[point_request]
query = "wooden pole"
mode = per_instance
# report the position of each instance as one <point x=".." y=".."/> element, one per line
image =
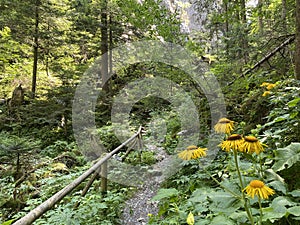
<point x="128" y="150"/>
<point x="104" y="178"/>
<point x="50" y="202"/>
<point x="88" y="185"/>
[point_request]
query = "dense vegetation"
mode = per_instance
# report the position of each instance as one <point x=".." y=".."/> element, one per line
<point x="48" y="45"/>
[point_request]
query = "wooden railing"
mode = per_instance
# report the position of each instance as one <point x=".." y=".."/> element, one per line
<point x="49" y="203"/>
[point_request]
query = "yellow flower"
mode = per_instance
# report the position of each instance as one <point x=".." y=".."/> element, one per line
<point x="192" y="152"/>
<point x="266" y="93"/>
<point x="251" y="145"/>
<point x="224" y="125"/>
<point x="258" y="188"/>
<point x="234" y="142"/>
<point x="190" y="219"/>
<point x="264" y="84"/>
<point x="270" y="86"/>
<point x="199" y="152"/>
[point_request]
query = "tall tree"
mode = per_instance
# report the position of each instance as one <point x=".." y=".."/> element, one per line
<point x="260" y="17"/>
<point x="244" y="38"/>
<point x="297" y="51"/>
<point x="104" y="45"/>
<point x="283" y="14"/>
<point x="104" y="75"/>
<point x="35" y="46"/>
<point x="226" y="21"/>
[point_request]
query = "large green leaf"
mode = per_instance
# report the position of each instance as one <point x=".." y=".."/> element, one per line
<point x="287" y="157"/>
<point x="221" y="220"/>
<point x="279" y="186"/>
<point x="202" y="222"/>
<point x="272" y="215"/>
<point x="200" y="195"/>
<point x="294" y="102"/>
<point x="7" y="222"/>
<point x="224" y="202"/>
<point x="281" y="118"/>
<point x="281" y="201"/>
<point x="294" y="210"/>
<point x="239" y="217"/>
<point x="295" y="193"/>
<point x="165" y="193"/>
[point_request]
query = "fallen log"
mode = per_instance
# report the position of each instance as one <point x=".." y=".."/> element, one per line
<point x="267" y="57"/>
<point x="272" y="53"/>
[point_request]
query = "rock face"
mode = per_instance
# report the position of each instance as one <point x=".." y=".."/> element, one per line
<point x="193" y="14"/>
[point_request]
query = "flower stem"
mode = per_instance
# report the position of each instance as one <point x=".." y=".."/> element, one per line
<point x="260" y="210"/>
<point x="261" y="167"/>
<point x="242" y="187"/>
<point x="226" y="189"/>
<point x="214" y="179"/>
<point x="238" y="169"/>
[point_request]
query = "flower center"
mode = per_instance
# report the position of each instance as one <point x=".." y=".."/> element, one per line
<point x="234" y="137"/>
<point x="251" y="139"/>
<point x="257" y="184"/>
<point x="224" y="120"/>
<point x="192" y="147"/>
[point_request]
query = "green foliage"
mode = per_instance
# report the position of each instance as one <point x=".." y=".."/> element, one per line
<point x="165" y="193"/>
<point x="17" y="151"/>
<point x="108" y="138"/>
<point x="58" y="147"/>
<point x="221" y="202"/>
<point x="141" y="157"/>
<point x="286" y="157"/>
<point x="7" y="222"/>
<point x="94" y="208"/>
<point x="148" y="19"/>
<point x="39" y="136"/>
<point x="283" y="120"/>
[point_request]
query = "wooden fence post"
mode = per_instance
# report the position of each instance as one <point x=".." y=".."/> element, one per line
<point x="104" y="175"/>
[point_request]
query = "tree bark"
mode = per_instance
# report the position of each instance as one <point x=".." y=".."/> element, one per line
<point x="260" y="17"/>
<point x="104" y="175"/>
<point x="297" y="41"/>
<point x="104" y="46"/>
<point x="225" y="5"/>
<point x="35" y="49"/>
<point x="244" y="40"/>
<point x="283" y="14"/>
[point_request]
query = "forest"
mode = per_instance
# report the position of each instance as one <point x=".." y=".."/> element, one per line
<point x="154" y="112"/>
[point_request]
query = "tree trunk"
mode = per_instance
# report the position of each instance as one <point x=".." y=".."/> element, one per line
<point x="35" y="49"/>
<point x="104" y="46"/>
<point x="110" y="45"/>
<point x="283" y="15"/>
<point x="260" y="18"/>
<point x="244" y="39"/>
<point x="297" y="41"/>
<point x="104" y="72"/>
<point x="225" y="5"/>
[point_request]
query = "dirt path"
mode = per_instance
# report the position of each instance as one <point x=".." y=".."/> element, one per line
<point x="138" y="207"/>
